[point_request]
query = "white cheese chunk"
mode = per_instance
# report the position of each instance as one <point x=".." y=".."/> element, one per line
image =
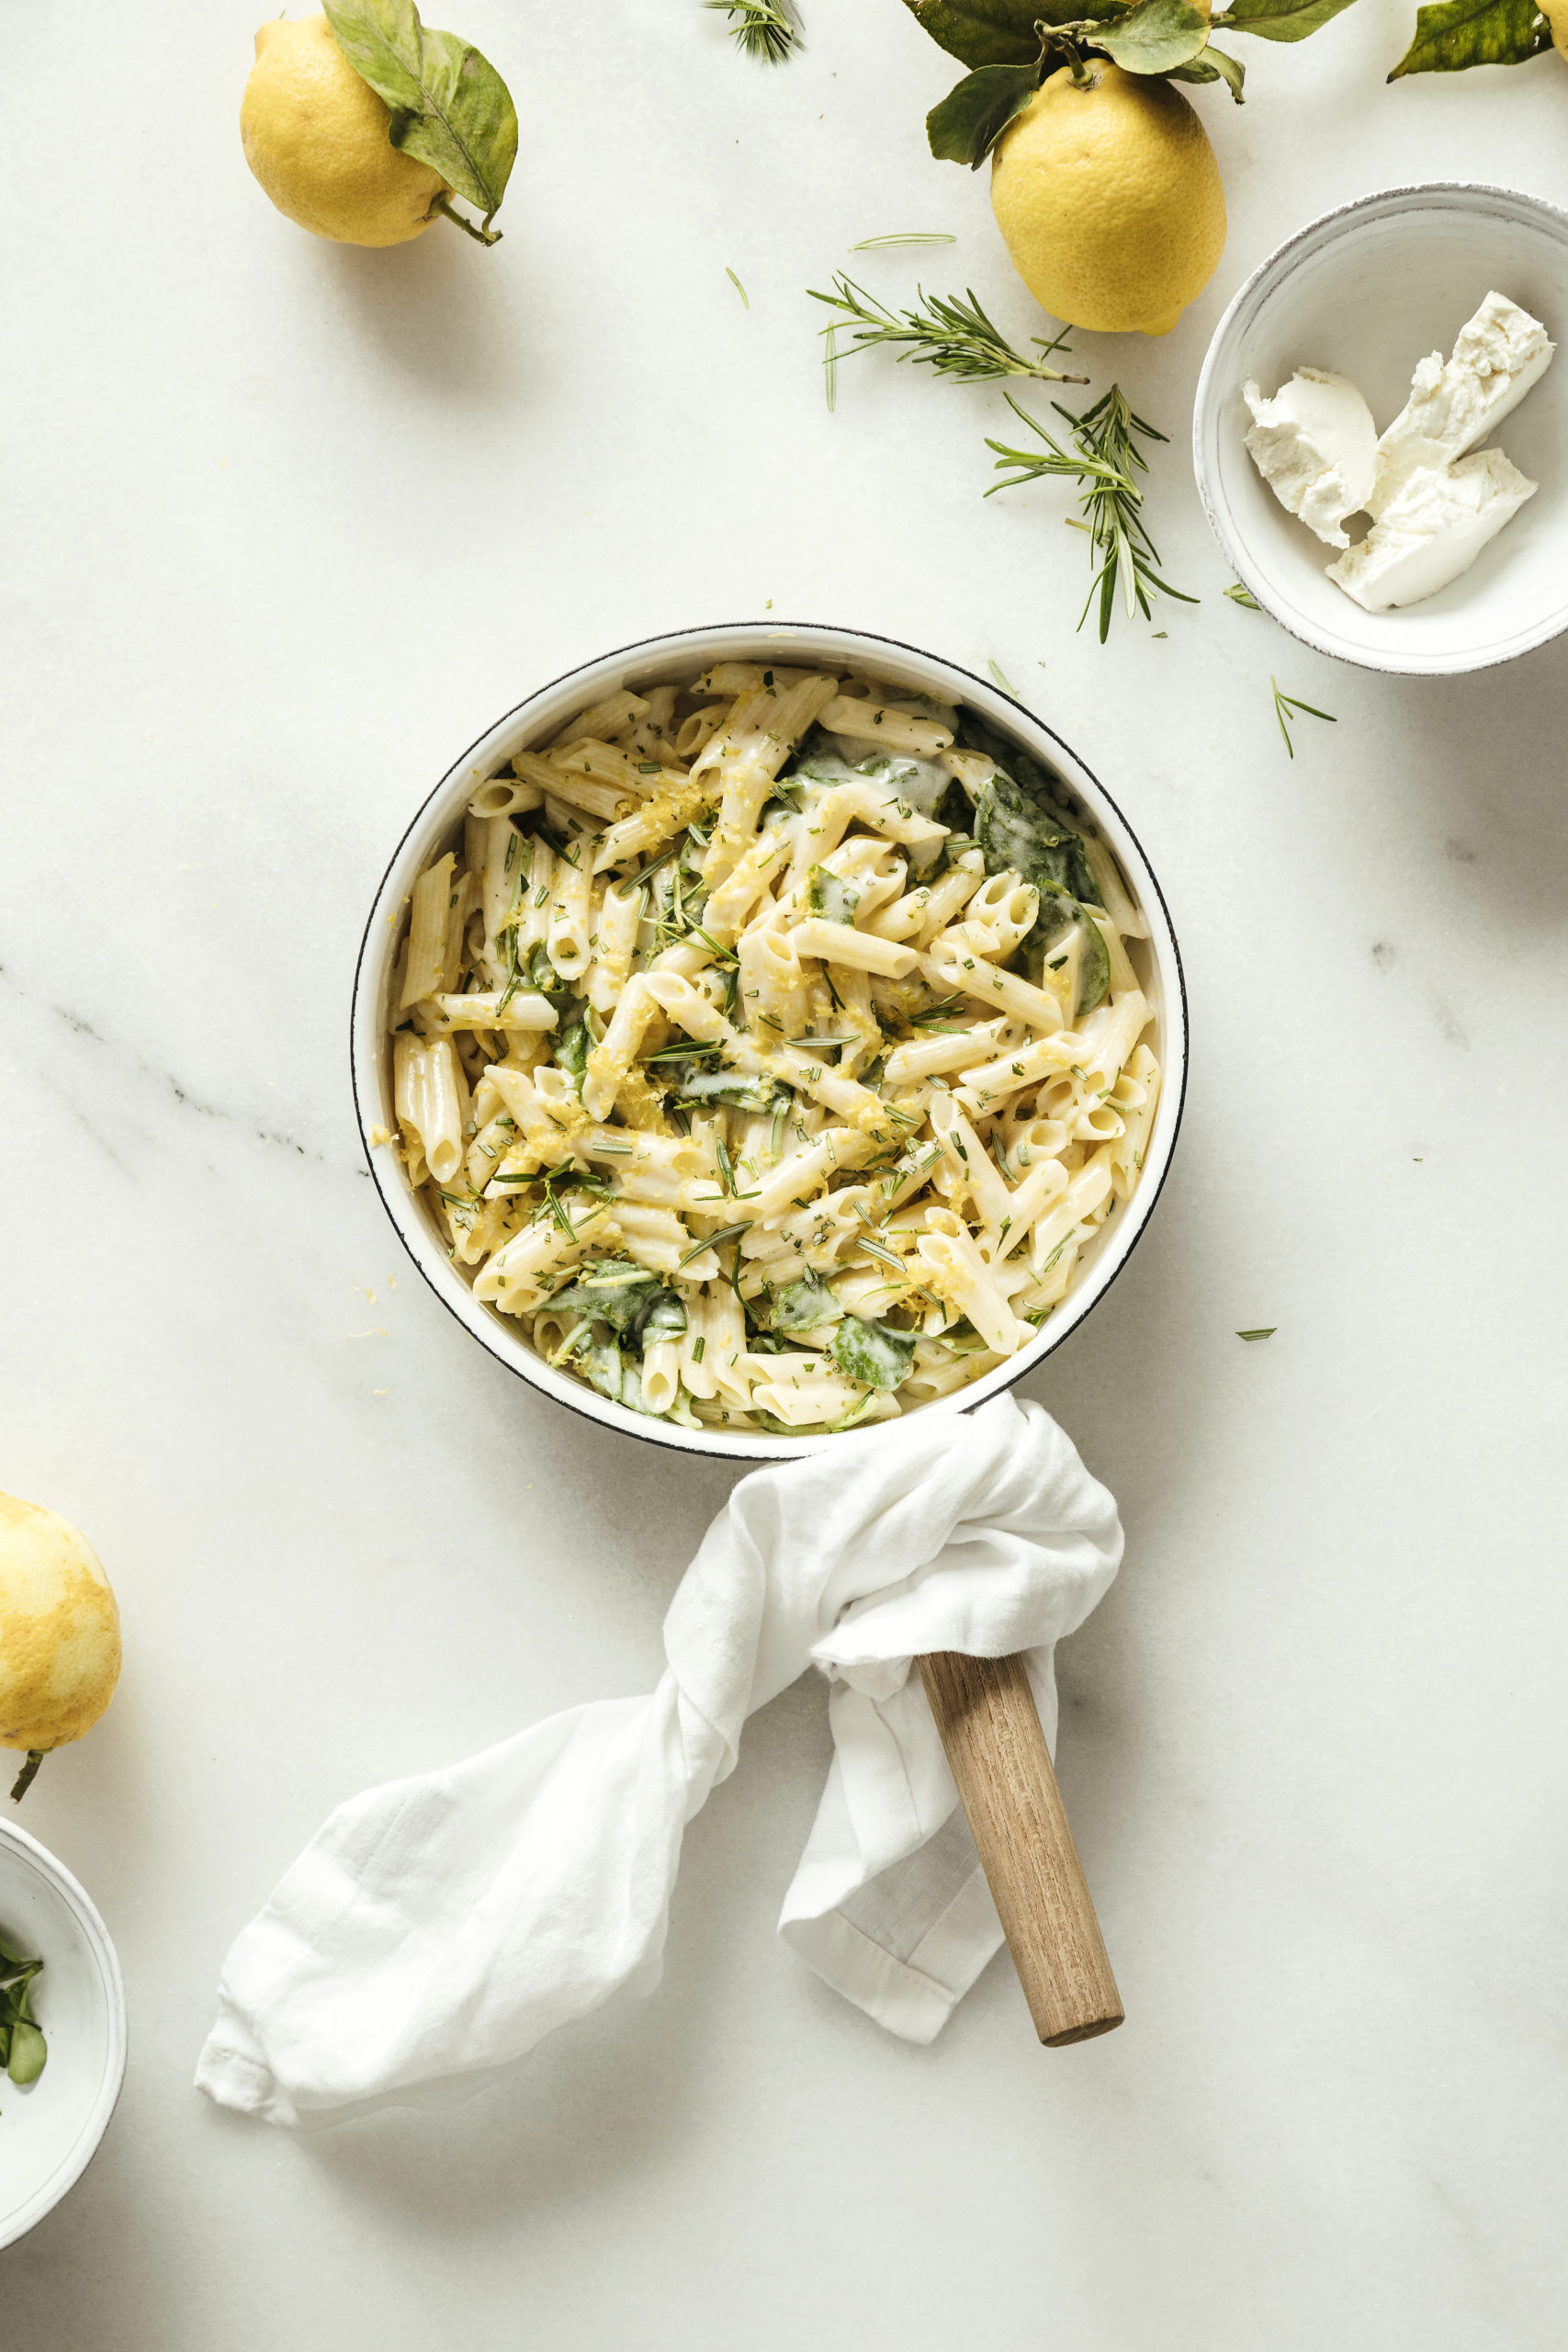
<point x="1499" y="354"/>
<point x="1315" y="446"/>
<point x="1432" y="529"/>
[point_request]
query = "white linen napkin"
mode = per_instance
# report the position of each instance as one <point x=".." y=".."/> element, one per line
<point x="435" y="1929"/>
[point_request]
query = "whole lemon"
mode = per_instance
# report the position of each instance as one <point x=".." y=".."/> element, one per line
<point x="59" y="1633"/>
<point x="1109" y="200"/>
<point x="315" y="136"/>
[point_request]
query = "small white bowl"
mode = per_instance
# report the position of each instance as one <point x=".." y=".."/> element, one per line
<point x="679" y="656"/>
<point x="50" y="2134"/>
<point x="1368" y="291"/>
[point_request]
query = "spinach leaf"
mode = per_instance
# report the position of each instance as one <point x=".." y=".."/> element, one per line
<point x="572" y="1044"/>
<point x="665" y="1319"/>
<point x="542" y="974"/>
<point x="920" y="784"/>
<point x="873" y="1354"/>
<point x="819" y="764"/>
<point x="1058" y="912"/>
<point x="834" y="900"/>
<point x="804" y="1305"/>
<point x="611" y="1289"/>
<point x="632" y="1303"/>
<point x="1017" y="831"/>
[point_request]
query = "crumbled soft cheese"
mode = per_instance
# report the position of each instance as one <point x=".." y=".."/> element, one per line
<point x="1432" y="529"/>
<point x="1497" y="355"/>
<point x="1315" y="446"/>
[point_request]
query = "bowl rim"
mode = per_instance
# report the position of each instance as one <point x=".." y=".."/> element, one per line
<point x="90" y="2134"/>
<point x="1326" y="228"/>
<point x="753" y="1448"/>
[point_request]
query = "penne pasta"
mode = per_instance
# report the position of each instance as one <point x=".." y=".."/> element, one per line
<point x="744" y="1083"/>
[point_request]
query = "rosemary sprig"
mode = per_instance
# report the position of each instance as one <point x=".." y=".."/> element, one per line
<point x="1285" y="705"/>
<point x="955" y="338"/>
<point x="767" y="29"/>
<point x="1102" y="460"/>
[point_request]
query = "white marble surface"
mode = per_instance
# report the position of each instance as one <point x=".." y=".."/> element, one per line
<point x="289" y="526"/>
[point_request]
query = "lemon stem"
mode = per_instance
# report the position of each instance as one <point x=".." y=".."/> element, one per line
<point x="482" y="236"/>
<point x="27" y="1774"/>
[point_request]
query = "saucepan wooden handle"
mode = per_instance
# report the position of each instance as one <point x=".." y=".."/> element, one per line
<point x="990" y="1727"/>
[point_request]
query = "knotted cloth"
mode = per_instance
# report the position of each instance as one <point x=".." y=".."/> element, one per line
<point x="435" y="1929"/>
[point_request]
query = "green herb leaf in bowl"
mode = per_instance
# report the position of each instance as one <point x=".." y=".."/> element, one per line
<point x="874" y="1353"/>
<point x="23" y="2051"/>
<point x="805" y="1305"/>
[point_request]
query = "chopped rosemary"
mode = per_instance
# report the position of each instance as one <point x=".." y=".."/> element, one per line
<point x="1103" y="458"/>
<point x="957" y="339"/>
<point x="1242" y="596"/>
<point x="738" y="287"/>
<point x="1264" y="1332"/>
<point x="686" y="1050"/>
<point x="767" y="29"/>
<point x="1284" y="703"/>
<point x="999" y="675"/>
<point x="724" y="1233"/>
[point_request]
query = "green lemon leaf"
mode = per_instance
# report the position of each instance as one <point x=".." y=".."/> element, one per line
<point x="994" y="32"/>
<point x="967" y="124"/>
<point x="450" y="107"/>
<point x="1214" y="65"/>
<point x="1460" y="33"/>
<point x="1278" y="19"/>
<point x="1154" y="37"/>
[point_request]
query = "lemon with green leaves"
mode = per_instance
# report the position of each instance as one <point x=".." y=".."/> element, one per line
<point x="59" y="1634"/>
<point x="1109" y="199"/>
<point x="362" y="124"/>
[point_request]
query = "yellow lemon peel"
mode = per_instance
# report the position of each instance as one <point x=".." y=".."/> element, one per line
<point x="315" y="135"/>
<point x="60" y="1650"/>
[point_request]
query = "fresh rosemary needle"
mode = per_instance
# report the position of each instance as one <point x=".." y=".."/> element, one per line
<point x="905" y="237"/>
<point x="1102" y="460"/>
<point x="943" y="331"/>
<point x="1287" y="706"/>
<point x="768" y="29"/>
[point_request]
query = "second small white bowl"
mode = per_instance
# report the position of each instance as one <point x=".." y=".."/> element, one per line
<point x="1368" y="291"/>
<point x="48" y="2134"/>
